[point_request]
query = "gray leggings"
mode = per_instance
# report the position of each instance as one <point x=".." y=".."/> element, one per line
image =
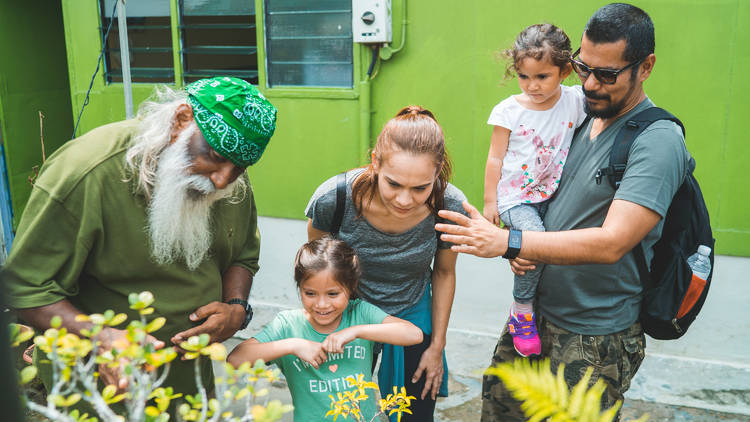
<point x="526" y="217"/>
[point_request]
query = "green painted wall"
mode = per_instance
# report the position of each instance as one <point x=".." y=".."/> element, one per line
<point x="449" y="65"/>
<point x="33" y="78"/>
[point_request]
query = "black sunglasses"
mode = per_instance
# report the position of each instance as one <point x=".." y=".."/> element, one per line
<point x="605" y="76"/>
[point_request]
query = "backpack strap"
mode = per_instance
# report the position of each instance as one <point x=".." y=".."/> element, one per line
<point x="618" y="157"/>
<point x="618" y="161"/>
<point x="338" y="215"/>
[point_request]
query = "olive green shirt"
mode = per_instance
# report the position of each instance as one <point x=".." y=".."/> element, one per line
<point x="83" y="237"/>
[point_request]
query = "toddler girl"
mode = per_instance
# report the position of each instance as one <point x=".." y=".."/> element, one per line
<point x="331" y="338"/>
<point x="530" y="141"/>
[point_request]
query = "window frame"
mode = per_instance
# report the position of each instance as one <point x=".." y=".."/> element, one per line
<point x="358" y="53"/>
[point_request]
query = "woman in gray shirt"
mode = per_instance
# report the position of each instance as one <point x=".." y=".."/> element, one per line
<point x="389" y="219"/>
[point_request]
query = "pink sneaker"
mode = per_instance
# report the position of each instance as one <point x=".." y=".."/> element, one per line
<point x="522" y="327"/>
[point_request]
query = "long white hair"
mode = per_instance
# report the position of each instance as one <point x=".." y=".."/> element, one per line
<point x="156" y="120"/>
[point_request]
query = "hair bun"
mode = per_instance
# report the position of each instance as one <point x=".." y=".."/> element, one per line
<point x="411" y="109"/>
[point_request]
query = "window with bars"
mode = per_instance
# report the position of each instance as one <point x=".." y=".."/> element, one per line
<point x="149" y="41"/>
<point x="218" y="39"/>
<point x="309" y="43"/>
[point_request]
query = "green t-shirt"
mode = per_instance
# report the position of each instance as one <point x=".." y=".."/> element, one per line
<point x="311" y="387"/>
<point x="600" y="299"/>
<point x="83" y="238"/>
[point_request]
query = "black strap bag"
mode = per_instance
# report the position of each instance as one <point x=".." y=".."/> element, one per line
<point x="672" y="297"/>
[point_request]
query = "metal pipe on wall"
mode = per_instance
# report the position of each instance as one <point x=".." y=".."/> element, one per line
<point x="122" y="25"/>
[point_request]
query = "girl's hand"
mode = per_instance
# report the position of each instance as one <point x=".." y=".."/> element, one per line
<point x="335" y="342"/>
<point x="431" y="364"/>
<point x="490" y="213"/>
<point x="311" y="352"/>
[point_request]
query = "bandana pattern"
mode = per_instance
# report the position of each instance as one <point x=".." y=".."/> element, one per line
<point x="234" y="117"/>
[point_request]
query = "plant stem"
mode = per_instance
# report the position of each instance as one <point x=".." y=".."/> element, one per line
<point x="51" y="414"/>
<point x="201" y="389"/>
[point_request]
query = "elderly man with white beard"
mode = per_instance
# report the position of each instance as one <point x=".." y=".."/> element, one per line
<point x="159" y="203"/>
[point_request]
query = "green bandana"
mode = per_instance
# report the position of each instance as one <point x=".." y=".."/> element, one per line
<point x="234" y="117"/>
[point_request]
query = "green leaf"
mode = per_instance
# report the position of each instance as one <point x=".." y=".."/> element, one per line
<point x="203" y="339"/>
<point x="55" y="322"/>
<point x="72" y="399"/>
<point x="109" y="391"/>
<point x="155" y="324"/>
<point x="152" y="411"/>
<point x="117" y="320"/>
<point x="146" y="297"/>
<point x="27" y="374"/>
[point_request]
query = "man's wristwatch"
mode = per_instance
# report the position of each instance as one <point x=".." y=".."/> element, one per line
<point x="514" y="244"/>
<point x="248" y="310"/>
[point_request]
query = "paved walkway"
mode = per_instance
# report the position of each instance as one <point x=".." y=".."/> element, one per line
<point x="704" y="376"/>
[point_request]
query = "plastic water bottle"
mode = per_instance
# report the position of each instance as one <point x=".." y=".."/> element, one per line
<point x="700" y="262"/>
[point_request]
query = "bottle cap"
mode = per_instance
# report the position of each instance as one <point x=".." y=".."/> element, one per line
<point x="704" y="250"/>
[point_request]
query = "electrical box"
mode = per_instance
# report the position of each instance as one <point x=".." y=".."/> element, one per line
<point x="371" y="21"/>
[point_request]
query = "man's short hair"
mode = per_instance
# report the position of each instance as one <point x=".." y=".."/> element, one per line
<point x="617" y="21"/>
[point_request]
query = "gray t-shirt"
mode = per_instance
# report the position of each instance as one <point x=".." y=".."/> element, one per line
<point x="396" y="268"/>
<point x="600" y="299"/>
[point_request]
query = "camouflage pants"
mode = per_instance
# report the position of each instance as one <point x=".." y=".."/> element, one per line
<point x="614" y="357"/>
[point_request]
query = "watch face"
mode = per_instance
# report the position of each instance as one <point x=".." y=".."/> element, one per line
<point x="515" y="239"/>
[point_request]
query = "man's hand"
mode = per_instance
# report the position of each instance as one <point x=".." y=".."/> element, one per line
<point x="221" y="322"/>
<point x="475" y="235"/>
<point x="110" y="338"/>
<point x="311" y="352"/>
<point x="335" y="342"/>
<point x="490" y="213"/>
<point x="431" y="365"/>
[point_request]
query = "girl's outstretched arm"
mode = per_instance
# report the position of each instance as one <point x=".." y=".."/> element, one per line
<point x="392" y="331"/>
<point x="493" y="171"/>
<point x="252" y="350"/>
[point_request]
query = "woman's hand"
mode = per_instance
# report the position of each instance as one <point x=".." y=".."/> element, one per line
<point x="431" y="365"/>
<point x="311" y="352"/>
<point x="335" y="342"/>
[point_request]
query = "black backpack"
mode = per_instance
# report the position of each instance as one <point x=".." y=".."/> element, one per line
<point x="671" y="298"/>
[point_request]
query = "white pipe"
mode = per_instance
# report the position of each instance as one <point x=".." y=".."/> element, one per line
<point x="122" y="25"/>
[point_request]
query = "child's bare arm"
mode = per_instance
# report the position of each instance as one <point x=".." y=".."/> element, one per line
<point x="493" y="171"/>
<point x="252" y="350"/>
<point x="392" y="331"/>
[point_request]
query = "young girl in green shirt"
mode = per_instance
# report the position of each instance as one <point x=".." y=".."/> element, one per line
<point x="330" y="339"/>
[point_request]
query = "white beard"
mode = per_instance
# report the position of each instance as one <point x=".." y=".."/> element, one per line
<point x="179" y="214"/>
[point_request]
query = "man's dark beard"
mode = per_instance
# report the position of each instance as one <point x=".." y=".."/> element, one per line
<point x="613" y="109"/>
<point x="610" y="111"/>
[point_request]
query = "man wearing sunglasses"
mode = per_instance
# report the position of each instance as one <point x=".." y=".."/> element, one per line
<point x="589" y="293"/>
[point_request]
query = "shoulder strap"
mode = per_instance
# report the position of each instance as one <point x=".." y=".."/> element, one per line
<point x="618" y="157"/>
<point x="338" y="215"/>
<point x="618" y="160"/>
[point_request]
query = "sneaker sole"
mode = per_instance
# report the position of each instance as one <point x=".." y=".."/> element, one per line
<point x="530" y="354"/>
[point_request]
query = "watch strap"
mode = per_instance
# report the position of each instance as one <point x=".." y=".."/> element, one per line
<point x="237" y="301"/>
<point x="248" y="310"/>
<point x="514" y="244"/>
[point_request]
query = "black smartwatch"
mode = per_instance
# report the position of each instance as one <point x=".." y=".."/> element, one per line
<point x="514" y="244"/>
<point x="248" y="310"/>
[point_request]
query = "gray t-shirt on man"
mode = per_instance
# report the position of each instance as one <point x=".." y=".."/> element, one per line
<point x="396" y="268"/>
<point x="599" y="299"/>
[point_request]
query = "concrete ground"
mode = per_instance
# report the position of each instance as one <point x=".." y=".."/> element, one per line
<point x="704" y="376"/>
